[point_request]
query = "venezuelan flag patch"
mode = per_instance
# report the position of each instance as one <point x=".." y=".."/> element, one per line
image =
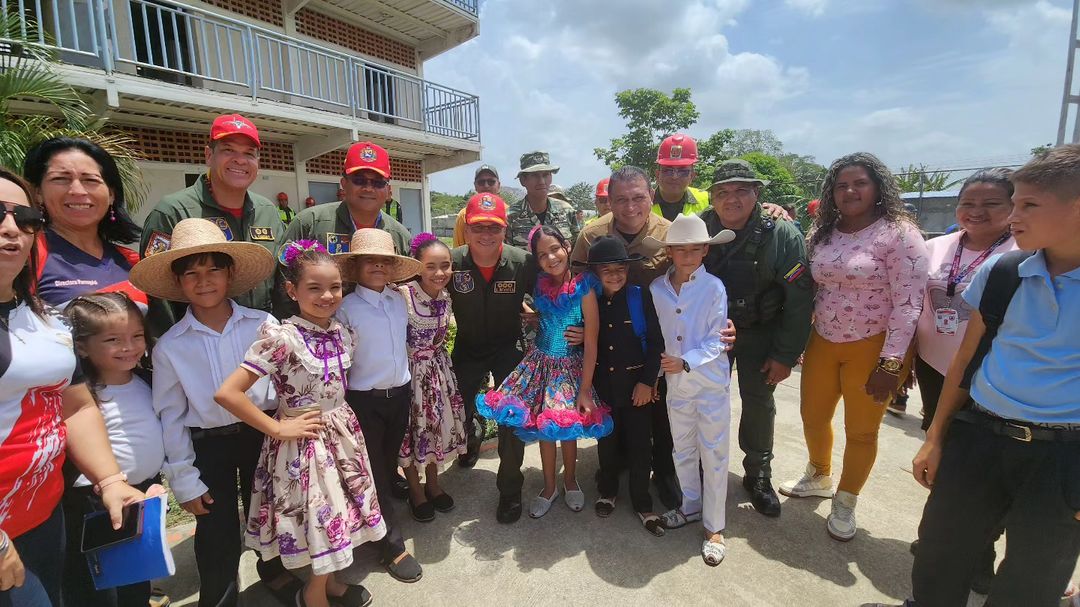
<point x="795" y="272"/>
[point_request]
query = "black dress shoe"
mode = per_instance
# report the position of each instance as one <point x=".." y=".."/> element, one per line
<point x="509" y="510"/>
<point x="762" y="495"/>
<point x="469" y="459"/>
<point x="400" y="487"/>
<point x="668" y="490"/>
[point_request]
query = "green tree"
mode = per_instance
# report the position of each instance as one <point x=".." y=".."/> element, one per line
<point x="447" y="204"/>
<point x="917" y="178"/>
<point x="1039" y="150"/>
<point x="650" y="116"/>
<point x="747" y="141"/>
<point x="580" y="195"/>
<point x="782" y="189"/>
<point x="27" y="73"/>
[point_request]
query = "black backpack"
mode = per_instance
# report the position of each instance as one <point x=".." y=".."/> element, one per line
<point x="1001" y="285"/>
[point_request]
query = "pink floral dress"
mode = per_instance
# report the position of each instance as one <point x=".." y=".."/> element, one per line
<point x="437" y="420"/>
<point x="312" y="500"/>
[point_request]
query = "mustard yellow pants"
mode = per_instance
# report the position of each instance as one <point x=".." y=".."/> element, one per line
<point x="831" y="371"/>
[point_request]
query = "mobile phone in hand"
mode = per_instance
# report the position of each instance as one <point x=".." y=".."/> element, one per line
<point x="98" y="533"/>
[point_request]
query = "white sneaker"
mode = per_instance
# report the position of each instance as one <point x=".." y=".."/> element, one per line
<point x="841" y="521"/>
<point x="541" y="504"/>
<point x="811" y="484"/>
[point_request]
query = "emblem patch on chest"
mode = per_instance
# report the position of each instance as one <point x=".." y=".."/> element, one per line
<point x="223" y="225"/>
<point x="158" y="242"/>
<point x="505" y="287"/>
<point x="463" y="282"/>
<point x="337" y="243"/>
<point x="262" y="234"/>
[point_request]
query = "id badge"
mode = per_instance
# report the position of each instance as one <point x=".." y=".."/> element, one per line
<point x="946" y="321"/>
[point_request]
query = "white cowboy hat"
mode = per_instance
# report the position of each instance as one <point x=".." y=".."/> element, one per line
<point x="689" y="229"/>
<point x="375" y="242"/>
<point x="252" y="263"/>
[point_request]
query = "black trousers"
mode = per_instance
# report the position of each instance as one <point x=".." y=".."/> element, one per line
<point x="930" y="385"/>
<point x="384" y="422"/>
<point x="985" y="480"/>
<point x="41" y="550"/>
<point x="629" y="442"/>
<point x="223" y="461"/>
<point x="78" y="585"/>
<point x="663" y="462"/>
<point x="757" y="420"/>
<point x="471" y="371"/>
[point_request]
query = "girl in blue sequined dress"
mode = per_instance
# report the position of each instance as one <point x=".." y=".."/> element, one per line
<point x="550" y="396"/>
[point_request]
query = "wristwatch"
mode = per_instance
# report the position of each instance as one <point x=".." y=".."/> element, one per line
<point x="685" y="366"/>
<point x="890" y="364"/>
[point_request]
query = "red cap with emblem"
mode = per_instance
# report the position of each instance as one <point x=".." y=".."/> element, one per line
<point x="367" y="155"/>
<point x="485" y="207"/>
<point x="601" y="188"/>
<point x="234" y="124"/>
<point x="677" y="151"/>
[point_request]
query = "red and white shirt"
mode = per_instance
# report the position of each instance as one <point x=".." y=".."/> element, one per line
<point x="37" y="362"/>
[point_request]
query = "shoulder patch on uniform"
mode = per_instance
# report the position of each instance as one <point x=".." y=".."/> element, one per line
<point x="223" y="225"/>
<point x="337" y="243"/>
<point x="503" y="287"/>
<point x="463" y="282"/>
<point x="261" y="233"/>
<point x="795" y="272"/>
<point x="158" y="242"/>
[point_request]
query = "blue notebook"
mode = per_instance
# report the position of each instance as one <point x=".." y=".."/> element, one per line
<point x="139" y="559"/>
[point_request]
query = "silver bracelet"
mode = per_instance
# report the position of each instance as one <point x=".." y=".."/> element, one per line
<point x="5" y="543"/>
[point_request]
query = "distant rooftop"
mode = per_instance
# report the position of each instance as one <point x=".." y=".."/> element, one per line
<point x="943" y="194"/>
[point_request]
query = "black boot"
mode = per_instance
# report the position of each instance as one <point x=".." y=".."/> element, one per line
<point x="762" y="495"/>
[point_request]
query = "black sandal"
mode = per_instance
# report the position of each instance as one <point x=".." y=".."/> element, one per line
<point x="652" y="524"/>
<point x="423" y="512"/>
<point x="355" y="596"/>
<point x="604" y="507"/>
<point x="442" y="502"/>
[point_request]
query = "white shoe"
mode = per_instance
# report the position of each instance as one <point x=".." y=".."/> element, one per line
<point x="541" y="504"/>
<point x="841" y="521"/>
<point x="574" y="498"/>
<point x="812" y="484"/>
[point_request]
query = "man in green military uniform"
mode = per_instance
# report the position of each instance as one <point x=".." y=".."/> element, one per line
<point x="675" y="160"/>
<point x="220" y="195"/>
<point x="365" y="184"/>
<point x="489" y="285"/>
<point x="538" y="207"/>
<point x="767" y="276"/>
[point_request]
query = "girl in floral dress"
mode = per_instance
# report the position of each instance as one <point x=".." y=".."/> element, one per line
<point x="313" y="499"/>
<point x="437" y="420"/>
<point x="550" y="396"/>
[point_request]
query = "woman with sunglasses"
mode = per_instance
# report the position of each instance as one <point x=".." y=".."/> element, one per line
<point x="86" y="225"/>
<point x="46" y="411"/>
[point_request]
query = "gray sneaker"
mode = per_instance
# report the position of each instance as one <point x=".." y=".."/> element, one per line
<point x="841" y="521"/>
<point x="811" y="484"/>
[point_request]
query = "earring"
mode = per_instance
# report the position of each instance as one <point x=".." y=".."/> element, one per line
<point x="880" y="202"/>
<point x="112" y="212"/>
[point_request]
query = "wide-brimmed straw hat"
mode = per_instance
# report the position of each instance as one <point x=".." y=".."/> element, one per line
<point x="374" y="242"/>
<point x="689" y="229"/>
<point x="252" y="263"/>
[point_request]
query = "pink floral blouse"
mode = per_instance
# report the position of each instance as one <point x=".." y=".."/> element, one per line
<point x="868" y="282"/>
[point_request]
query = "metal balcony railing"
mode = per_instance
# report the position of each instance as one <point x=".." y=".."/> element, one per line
<point x="469" y="6"/>
<point x="185" y="45"/>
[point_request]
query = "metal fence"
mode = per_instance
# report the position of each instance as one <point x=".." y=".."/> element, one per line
<point x="469" y="6"/>
<point x="186" y="45"/>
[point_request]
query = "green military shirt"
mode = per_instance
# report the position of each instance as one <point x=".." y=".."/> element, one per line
<point x="520" y="220"/>
<point x="332" y="225"/>
<point x="694" y="201"/>
<point x="767" y="277"/>
<point x="259" y="223"/>
<point x="489" y="313"/>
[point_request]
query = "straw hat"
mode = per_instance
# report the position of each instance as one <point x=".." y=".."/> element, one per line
<point x="252" y="263"/>
<point x="689" y="229"/>
<point x="375" y="242"/>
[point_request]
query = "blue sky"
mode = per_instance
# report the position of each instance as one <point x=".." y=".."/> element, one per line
<point x="946" y="83"/>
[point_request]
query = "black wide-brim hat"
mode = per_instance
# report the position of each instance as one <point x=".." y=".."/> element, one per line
<point x="609" y="249"/>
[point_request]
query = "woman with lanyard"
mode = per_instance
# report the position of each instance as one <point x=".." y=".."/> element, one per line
<point x="45" y="410"/>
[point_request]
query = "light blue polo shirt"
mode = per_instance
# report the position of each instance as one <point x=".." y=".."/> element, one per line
<point x="1032" y="372"/>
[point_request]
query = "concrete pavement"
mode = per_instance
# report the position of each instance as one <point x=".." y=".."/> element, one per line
<point x="579" y="559"/>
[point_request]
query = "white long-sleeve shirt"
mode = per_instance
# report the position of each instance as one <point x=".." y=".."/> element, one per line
<point x="691" y="321"/>
<point x="380" y="320"/>
<point x="191" y="361"/>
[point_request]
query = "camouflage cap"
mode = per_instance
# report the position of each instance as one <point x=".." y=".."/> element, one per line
<point x="536" y="162"/>
<point x="557" y="192"/>
<point x="736" y="170"/>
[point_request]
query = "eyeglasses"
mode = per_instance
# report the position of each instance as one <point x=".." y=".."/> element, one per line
<point x="362" y="182"/>
<point x="27" y="219"/>
<point x="486" y="182"/>
<point x="486" y="228"/>
<point x="670" y="172"/>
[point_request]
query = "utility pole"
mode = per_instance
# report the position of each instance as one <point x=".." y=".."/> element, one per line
<point x="1069" y="99"/>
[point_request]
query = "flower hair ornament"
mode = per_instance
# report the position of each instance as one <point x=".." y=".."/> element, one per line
<point x="296" y="248"/>
<point x="420" y="240"/>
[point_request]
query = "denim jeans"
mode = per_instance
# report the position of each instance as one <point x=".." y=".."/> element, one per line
<point x="42" y="553"/>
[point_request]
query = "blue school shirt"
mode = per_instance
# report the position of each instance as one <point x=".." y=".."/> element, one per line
<point x="69" y="271"/>
<point x="1032" y="372"/>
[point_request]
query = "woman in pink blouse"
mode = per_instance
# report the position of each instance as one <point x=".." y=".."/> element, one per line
<point x="869" y="263"/>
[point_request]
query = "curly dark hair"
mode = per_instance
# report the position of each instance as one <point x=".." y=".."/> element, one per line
<point x="890" y="204"/>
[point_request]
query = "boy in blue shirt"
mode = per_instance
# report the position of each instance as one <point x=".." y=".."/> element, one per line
<point x="1012" y="457"/>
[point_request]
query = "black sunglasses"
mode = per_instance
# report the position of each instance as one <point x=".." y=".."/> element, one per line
<point x="28" y="219"/>
<point x="487" y="182"/>
<point x="362" y="182"/>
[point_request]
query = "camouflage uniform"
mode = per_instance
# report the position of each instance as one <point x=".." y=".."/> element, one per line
<point x="521" y="220"/>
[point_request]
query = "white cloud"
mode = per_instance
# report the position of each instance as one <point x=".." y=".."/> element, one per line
<point x="815" y="8"/>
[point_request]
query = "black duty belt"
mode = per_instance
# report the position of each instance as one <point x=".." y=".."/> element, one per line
<point x="201" y="433"/>
<point x="388" y="393"/>
<point x="1024" y="432"/>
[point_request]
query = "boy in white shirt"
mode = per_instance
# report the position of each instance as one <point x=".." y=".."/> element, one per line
<point x="692" y="307"/>
<point x="206" y="448"/>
